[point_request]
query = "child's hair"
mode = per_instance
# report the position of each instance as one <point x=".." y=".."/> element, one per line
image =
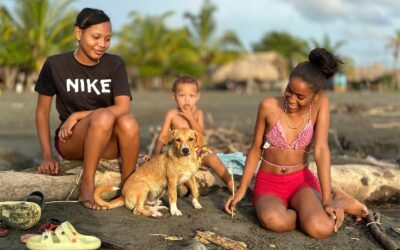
<point x="321" y="65"/>
<point x="184" y="80"/>
<point x="88" y="17"/>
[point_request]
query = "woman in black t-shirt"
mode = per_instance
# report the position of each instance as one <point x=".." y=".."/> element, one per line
<point x="93" y="101"/>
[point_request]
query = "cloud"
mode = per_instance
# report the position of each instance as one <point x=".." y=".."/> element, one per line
<point x="358" y="11"/>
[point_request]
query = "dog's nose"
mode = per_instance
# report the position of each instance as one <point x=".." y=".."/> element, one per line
<point x="185" y="151"/>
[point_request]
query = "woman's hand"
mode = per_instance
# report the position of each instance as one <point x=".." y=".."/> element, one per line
<point x="49" y="166"/>
<point x="336" y="213"/>
<point x="230" y="205"/>
<point x="65" y="131"/>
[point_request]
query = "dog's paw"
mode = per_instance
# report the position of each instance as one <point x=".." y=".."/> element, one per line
<point x="156" y="214"/>
<point x="196" y="204"/>
<point x="176" y="212"/>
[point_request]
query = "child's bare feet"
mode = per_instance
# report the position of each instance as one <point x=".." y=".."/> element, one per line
<point x="350" y="205"/>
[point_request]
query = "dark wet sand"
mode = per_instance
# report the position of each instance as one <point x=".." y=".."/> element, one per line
<point x="120" y="227"/>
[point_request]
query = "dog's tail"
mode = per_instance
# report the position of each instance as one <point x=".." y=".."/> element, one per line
<point x="117" y="202"/>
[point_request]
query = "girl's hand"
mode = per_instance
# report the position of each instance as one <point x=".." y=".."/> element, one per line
<point x="230" y="205"/>
<point x="66" y="129"/>
<point x="336" y="213"/>
<point x="49" y="166"/>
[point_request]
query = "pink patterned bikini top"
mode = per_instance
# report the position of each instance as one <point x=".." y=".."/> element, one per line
<point x="276" y="136"/>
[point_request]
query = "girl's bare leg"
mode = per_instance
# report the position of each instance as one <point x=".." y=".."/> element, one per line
<point x="274" y="215"/>
<point x="212" y="161"/>
<point x="98" y="135"/>
<point x="127" y="132"/>
<point x="313" y="219"/>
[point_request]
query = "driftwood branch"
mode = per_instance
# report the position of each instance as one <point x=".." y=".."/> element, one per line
<point x="373" y="221"/>
<point x="224" y="242"/>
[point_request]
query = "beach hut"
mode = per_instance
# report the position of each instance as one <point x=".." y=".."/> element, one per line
<point x="370" y="77"/>
<point x="256" y="71"/>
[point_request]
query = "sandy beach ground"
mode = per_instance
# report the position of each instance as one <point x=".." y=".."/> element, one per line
<point x="366" y="124"/>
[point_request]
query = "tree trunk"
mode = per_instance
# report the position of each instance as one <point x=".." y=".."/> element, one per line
<point x="30" y="80"/>
<point x="10" y="76"/>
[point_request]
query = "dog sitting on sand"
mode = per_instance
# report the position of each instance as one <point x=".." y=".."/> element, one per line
<point x="177" y="165"/>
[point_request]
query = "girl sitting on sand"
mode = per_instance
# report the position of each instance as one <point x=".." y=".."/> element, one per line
<point x="286" y="129"/>
<point x="93" y="101"/>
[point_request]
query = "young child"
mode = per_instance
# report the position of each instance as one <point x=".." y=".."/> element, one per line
<point x="186" y="115"/>
<point x="287" y="127"/>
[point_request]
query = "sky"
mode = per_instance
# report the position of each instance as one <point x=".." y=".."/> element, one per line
<point x="365" y="25"/>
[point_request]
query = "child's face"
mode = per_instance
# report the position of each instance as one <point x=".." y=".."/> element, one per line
<point x="186" y="96"/>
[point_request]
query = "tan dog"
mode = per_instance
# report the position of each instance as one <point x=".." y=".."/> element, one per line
<point x="147" y="184"/>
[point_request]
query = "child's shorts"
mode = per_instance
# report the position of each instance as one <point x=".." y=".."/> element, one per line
<point x="283" y="186"/>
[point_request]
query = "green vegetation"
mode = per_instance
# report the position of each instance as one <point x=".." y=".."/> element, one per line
<point x="154" y="53"/>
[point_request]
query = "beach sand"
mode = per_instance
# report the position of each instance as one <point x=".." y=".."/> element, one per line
<point x="119" y="227"/>
<point x="361" y="134"/>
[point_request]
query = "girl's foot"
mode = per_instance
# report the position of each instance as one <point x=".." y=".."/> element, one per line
<point x="350" y="205"/>
<point x="87" y="200"/>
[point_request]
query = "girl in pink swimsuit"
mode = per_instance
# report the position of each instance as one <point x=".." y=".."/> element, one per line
<point x="287" y="128"/>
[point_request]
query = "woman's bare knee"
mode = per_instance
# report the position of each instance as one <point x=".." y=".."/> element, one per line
<point x="276" y="221"/>
<point x="317" y="226"/>
<point x="102" y="119"/>
<point x="127" y="126"/>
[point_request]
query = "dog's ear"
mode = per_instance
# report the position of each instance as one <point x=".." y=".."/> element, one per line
<point x="199" y="138"/>
<point x="167" y="139"/>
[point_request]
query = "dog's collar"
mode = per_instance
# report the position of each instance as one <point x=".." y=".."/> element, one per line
<point x="201" y="152"/>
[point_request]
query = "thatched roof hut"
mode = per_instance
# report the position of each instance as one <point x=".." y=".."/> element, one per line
<point x="368" y="73"/>
<point x="263" y="68"/>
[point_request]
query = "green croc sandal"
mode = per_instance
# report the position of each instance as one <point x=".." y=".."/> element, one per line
<point x="64" y="237"/>
<point x="19" y="214"/>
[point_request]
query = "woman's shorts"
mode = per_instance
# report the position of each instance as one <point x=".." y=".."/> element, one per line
<point x="283" y="186"/>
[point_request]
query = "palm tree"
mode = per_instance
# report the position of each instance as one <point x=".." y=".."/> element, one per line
<point x="292" y="48"/>
<point x="202" y="27"/>
<point x="42" y="26"/>
<point x="328" y="44"/>
<point x="148" y="44"/>
<point x="394" y="44"/>
<point x="14" y="53"/>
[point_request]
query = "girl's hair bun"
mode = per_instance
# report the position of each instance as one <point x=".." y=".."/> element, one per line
<point x="325" y="61"/>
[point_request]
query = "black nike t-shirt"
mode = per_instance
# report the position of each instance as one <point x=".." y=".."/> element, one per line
<point x="79" y="87"/>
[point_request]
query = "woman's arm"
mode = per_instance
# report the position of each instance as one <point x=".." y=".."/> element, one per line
<point x="321" y="150"/>
<point x="252" y="159"/>
<point x="48" y="165"/>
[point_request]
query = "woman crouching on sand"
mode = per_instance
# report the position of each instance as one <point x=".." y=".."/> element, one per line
<point x="286" y="129"/>
<point x="93" y="101"/>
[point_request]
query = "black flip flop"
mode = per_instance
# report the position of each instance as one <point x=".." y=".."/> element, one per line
<point x="36" y="197"/>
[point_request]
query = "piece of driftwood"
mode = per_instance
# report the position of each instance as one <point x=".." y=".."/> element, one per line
<point x="366" y="183"/>
<point x="17" y="185"/>
<point x="372" y="221"/>
<point x="224" y="242"/>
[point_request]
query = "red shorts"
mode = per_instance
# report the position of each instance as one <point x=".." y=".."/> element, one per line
<point x="283" y="186"/>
